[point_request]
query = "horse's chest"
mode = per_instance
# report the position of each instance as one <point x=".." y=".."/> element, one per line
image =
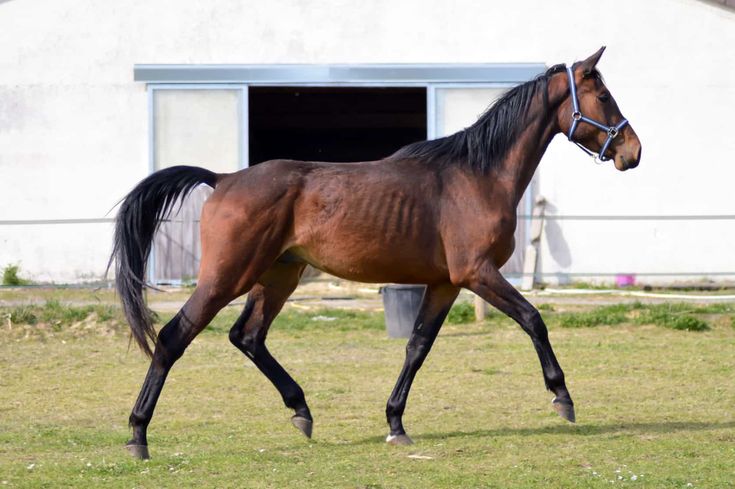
<point x="481" y="238"/>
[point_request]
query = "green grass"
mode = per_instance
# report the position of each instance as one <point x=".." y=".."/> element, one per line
<point x="11" y="276"/>
<point x="603" y="315"/>
<point x="59" y="315"/>
<point x="673" y="315"/>
<point x="461" y="313"/>
<point x="294" y="320"/>
<point x="651" y="402"/>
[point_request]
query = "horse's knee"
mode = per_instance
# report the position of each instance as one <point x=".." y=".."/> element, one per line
<point x="417" y="347"/>
<point x="534" y="325"/>
<point x="531" y="317"/>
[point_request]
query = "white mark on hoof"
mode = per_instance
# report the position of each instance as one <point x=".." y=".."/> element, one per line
<point x="398" y="440"/>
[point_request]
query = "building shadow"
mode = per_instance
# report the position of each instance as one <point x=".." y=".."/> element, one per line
<point x="556" y="243"/>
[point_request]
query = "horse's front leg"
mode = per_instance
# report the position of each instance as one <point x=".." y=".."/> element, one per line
<point x="488" y="283"/>
<point x="437" y="301"/>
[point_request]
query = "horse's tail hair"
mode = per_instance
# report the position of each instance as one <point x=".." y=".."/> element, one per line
<point x="139" y="216"/>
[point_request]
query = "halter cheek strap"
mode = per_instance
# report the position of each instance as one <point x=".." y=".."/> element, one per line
<point x="612" y="131"/>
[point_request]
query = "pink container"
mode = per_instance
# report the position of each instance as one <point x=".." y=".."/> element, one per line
<point x="624" y="280"/>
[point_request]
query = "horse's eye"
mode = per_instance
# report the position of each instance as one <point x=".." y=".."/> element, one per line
<point x="604" y="98"/>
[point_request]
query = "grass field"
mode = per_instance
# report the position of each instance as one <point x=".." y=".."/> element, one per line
<point x="655" y="404"/>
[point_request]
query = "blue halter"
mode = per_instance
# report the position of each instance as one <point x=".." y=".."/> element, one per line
<point x="612" y="131"/>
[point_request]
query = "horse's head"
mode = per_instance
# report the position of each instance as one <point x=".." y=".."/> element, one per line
<point x="591" y="118"/>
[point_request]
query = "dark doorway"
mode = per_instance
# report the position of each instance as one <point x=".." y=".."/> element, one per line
<point x="334" y="123"/>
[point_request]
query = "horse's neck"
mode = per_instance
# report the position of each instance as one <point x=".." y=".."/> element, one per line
<point x="516" y="170"/>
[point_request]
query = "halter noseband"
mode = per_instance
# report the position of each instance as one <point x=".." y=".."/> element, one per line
<point x="612" y="131"/>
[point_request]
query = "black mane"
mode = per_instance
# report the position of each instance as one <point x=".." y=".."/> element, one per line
<point x="483" y="145"/>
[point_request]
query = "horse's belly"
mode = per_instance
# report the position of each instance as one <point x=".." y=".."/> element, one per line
<point x="374" y="261"/>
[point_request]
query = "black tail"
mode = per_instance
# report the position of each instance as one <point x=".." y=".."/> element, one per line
<point x="140" y="214"/>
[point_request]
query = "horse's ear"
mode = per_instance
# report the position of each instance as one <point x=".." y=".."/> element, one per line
<point x="589" y="64"/>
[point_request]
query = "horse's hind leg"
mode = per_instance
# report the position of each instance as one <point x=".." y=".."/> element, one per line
<point x="173" y="339"/>
<point x="491" y="286"/>
<point x="434" y="308"/>
<point x="250" y="330"/>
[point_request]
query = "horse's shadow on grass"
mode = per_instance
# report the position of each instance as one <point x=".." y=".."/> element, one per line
<point x="574" y="430"/>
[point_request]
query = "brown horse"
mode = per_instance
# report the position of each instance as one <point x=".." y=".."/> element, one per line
<point x="440" y="213"/>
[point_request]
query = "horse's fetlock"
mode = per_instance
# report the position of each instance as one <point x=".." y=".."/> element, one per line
<point x="556" y="383"/>
<point x="137" y="420"/>
<point x="394" y="410"/>
<point x="293" y="398"/>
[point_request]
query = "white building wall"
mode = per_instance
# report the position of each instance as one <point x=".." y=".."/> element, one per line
<point x="73" y="124"/>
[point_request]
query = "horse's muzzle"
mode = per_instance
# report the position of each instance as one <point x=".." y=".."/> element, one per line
<point x="628" y="155"/>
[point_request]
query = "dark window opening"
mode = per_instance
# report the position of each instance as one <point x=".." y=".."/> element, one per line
<point x="334" y="123"/>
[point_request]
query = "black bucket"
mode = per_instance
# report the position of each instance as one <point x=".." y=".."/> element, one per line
<point x="401" y="304"/>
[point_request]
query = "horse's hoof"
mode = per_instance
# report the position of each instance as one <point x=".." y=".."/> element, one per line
<point x="399" y="440"/>
<point x="564" y="409"/>
<point x="304" y="425"/>
<point x="138" y="451"/>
